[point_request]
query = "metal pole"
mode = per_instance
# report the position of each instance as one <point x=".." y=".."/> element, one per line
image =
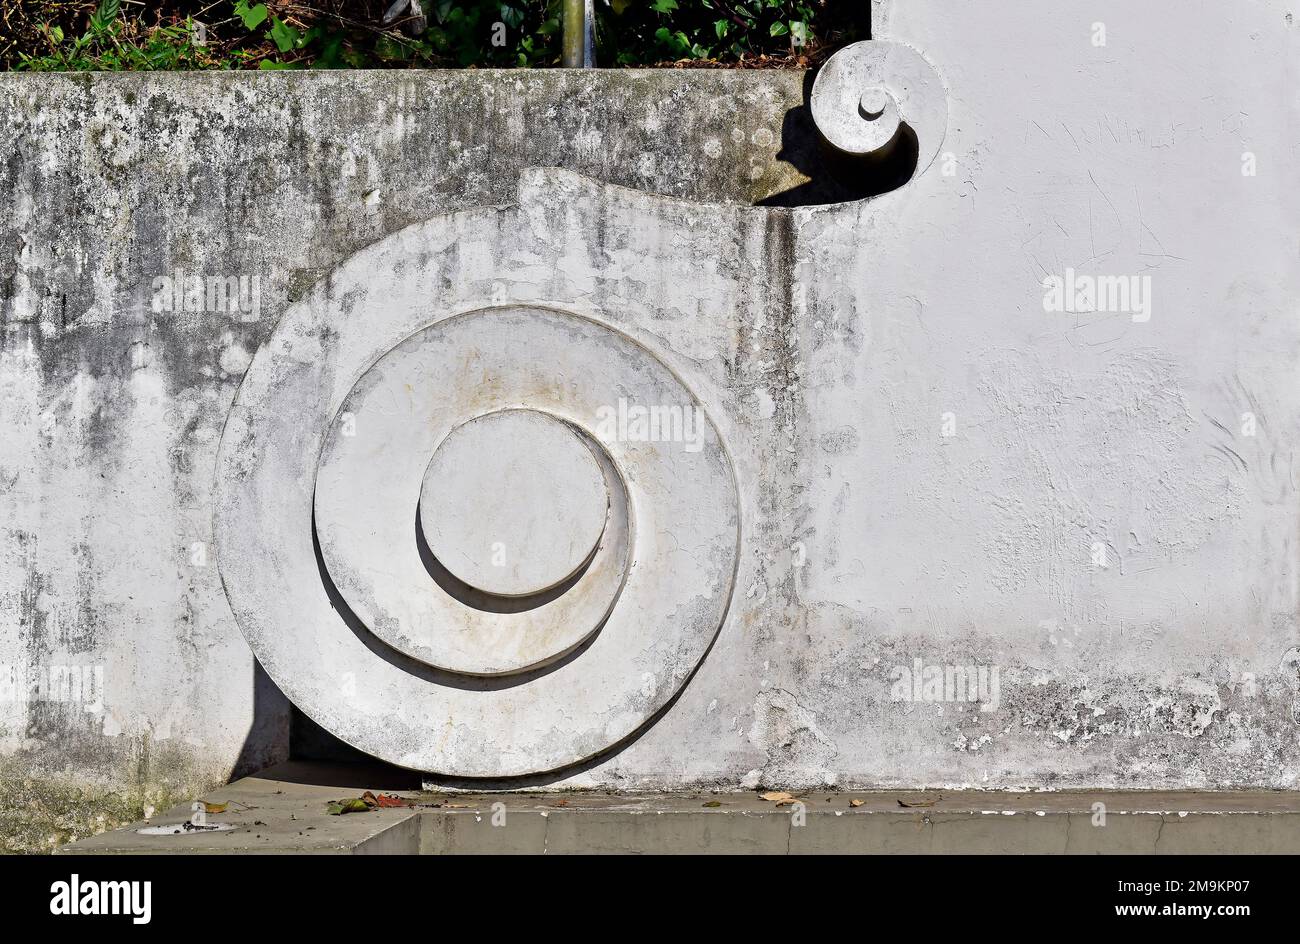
<point x="579" y="26"/>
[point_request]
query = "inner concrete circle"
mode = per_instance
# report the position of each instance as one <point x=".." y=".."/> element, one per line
<point x="874" y="101"/>
<point x="513" y="503"/>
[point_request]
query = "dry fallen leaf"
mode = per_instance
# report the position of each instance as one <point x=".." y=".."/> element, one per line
<point x="856" y="802"/>
<point x="917" y="804"/>
<point x="350" y="805"/>
<point x="215" y="807"/>
<point x="779" y="797"/>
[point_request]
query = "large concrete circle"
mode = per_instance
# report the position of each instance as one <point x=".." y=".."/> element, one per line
<point x="284" y="441"/>
<point x="513" y="503"/>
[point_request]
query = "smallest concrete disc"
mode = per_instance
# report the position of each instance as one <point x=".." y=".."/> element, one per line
<point x="513" y="503"/>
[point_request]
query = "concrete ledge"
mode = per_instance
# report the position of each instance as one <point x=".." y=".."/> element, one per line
<point x="955" y="823"/>
<point x="279" y="811"/>
<point x="283" y="811"/>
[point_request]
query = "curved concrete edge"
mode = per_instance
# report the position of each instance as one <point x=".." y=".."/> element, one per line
<point x="282" y="810"/>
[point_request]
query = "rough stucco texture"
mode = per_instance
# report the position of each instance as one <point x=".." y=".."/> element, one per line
<point x="930" y="462"/>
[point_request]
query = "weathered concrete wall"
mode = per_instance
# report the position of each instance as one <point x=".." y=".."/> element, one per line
<point x="1102" y="506"/>
<point x="112" y="412"/>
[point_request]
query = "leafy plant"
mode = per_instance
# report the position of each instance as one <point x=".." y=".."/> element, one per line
<point x="109" y="45"/>
<point x="251" y="17"/>
<point x="718" y="30"/>
<point x="279" y="34"/>
<point x="104" y="19"/>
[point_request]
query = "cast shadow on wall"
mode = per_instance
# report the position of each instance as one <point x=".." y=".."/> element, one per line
<point x="833" y="176"/>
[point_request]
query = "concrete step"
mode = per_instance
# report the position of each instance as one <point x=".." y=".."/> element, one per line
<point x="283" y="810"/>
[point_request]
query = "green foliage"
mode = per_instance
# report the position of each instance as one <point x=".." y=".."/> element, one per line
<point x="631" y="33"/>
<point x="105" y="16"/>
<point x="251" y="17"/>
<point x="107" y="46"/>
<point x="331" y="34"/>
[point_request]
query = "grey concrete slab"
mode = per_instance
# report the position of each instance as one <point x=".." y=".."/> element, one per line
<point x="275" y="812"/>
<point x="283" y="811"/>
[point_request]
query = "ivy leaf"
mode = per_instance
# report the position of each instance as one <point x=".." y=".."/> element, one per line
<point x="285" y="36"/>
<point x="512" y="17"/>
<point x="720" y="27"/>
<point x="677" y="42"/>
<point x="664" y="6"/>
<point x="779" y="28"/>
<point x="252" y="17"/>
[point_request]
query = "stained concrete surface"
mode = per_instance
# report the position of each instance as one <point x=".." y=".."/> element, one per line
<point x="275" y="812"/>
<point x="280" y="811"/>
<point x="112" y="410"/>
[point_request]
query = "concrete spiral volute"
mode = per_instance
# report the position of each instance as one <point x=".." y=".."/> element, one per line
<point x="869" y="93"/>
